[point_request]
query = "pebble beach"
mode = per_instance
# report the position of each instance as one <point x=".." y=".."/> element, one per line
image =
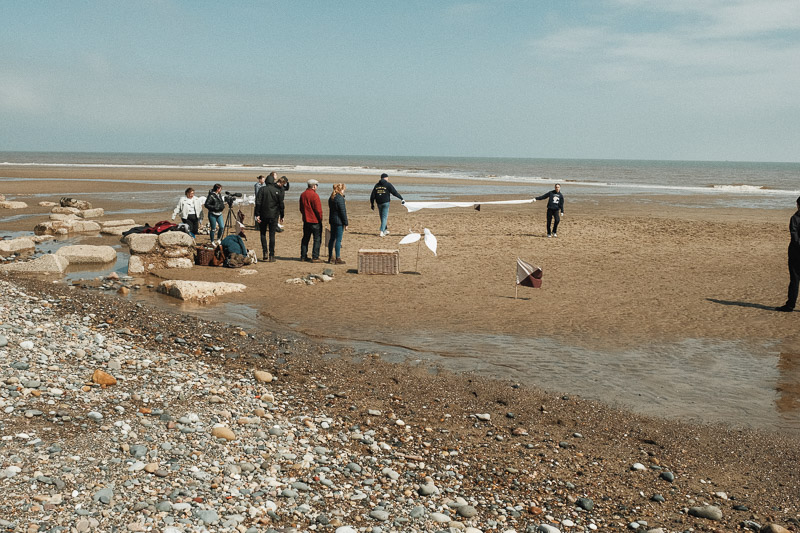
<point x="118" y="416"/>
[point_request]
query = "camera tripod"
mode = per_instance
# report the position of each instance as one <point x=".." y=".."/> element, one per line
<point x="230" y="220"/>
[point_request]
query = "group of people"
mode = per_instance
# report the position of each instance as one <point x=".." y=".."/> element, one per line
<point x="270" y="209"/>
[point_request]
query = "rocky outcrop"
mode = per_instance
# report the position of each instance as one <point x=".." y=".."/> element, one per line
<point x="78" y="204"/>
<point x="66" y="227"/>
<point x="116" y="227"/>
<point x="82" y="253"/>
<point x="171" y="249"/>
<point x="198" y="291"/>
<point x="92" y="213"/>
<point x="12" y="205"/>
<point x="15" y="246"/>
<point x="46" y="264"/>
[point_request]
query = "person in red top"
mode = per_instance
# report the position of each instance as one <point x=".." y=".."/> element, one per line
<point x="311" y="209"/>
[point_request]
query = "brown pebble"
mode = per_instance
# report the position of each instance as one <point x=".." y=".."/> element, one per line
<point x="222" y="432"/>
<point x="263" y="376"/>
<point x="103" y="378"/>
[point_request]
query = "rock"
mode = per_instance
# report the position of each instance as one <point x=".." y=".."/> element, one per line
<point x="81" y="254"/>
<point x="12" y="205"/>
<point x="263" y="376"/>
<point x="346" y="529"/>
<point x="379" y="514"/>
<point x="466" y="511"/>
<point x="63" y="216"/>
<point x="61" y="210"/>
<point x="141" y="243"/>
<point x="103" y="378"/>
<point x="46" y="264"/>
<point x="483" y="417"/>
<point x="179" y="262"/>
<point x="77" y="204"/>
<point x="65" y="227"/>
<point x="104" y="495"/>
<point x="638" y="467"/>
<point x="207" y="516"/>
<point x="200" y="291"/>
<point x="47" y="204"/>
<point x="585" y="503"/>
<point x="117" y="223"/>
<point x="222" y="432"/>
<point x="171" y="239"/>
<point x="135" y="265"/>
<point x="710" y="512"/>
<point x="92" y="213"/>
<point x="773" y="528"/>
<point x="428" y="489"/>
<point x="15" y="246"/>
<point x="547" y="528"/>
<point x="667" y="476"/>
<point x="42" y="238"/>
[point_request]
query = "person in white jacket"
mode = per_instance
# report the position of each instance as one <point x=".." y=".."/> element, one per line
<point x="191" y="210"/>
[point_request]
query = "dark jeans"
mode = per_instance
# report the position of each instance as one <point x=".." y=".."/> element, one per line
<point x="794" y="277"/>
<point x="311" y="229"/>
<point x="192" y="222"/>
<point x="553" y="215"/>
<point x="335" y="241"/>
<point x="270" y="224"/>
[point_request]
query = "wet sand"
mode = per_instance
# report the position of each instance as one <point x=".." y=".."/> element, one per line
<point x="623" y="274"/>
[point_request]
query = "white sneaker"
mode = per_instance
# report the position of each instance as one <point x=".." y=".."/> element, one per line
<point x="555" y="234"/>
<point x="548" y="235"/>
<point x="383" y="234"/>
<point x="386" y="232"/>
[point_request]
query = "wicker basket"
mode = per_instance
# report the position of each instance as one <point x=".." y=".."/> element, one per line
<point x="204" y="255"/>
<point x="378" y="261"/>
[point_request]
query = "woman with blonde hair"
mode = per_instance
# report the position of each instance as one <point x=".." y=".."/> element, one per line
<point x="338" y="220"/>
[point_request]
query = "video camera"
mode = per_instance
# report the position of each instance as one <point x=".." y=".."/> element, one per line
<point x="231" y="197"/>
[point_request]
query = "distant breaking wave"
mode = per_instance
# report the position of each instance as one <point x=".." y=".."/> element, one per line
<point x="448" y="173"/>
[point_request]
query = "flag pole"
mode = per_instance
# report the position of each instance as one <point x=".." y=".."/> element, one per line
<point x="417" y="260"/>
<point x="516" y="285"/>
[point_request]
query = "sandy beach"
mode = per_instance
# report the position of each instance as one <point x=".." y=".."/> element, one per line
<point x="621" y="275"/>
<point x="624" y="274"/>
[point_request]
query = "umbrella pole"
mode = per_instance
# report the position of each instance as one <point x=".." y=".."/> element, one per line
<point x="417" y="260"/>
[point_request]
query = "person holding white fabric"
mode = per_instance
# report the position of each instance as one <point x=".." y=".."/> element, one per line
<point x="555" y="204"/>
<point x="191" y="210"/>
<point x="382" y="194"/>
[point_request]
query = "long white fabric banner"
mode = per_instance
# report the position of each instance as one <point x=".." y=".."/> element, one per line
<point x="416" y="206"/>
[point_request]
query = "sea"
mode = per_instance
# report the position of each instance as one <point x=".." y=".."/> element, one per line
<point x="734" y="382"/>
<point x="757" y="185"/>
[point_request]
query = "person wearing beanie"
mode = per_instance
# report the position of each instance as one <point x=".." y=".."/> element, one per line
<point x="381" y="195"/>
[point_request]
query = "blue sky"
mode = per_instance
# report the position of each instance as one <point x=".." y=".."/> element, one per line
<point x="628" y="79"/>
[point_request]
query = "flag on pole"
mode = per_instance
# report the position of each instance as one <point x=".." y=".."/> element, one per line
<point x="528" y="275"/>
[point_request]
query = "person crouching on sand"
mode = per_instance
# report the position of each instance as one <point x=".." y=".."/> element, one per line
<point x="191" y="210"/>
<point x="337" y="217"/>
<point x="794" y="261"/>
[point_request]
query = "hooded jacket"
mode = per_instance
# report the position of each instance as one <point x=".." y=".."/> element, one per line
<point x="269" y="201"/>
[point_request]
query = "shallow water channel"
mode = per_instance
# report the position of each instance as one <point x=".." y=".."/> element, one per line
<point x="734" y="382"/>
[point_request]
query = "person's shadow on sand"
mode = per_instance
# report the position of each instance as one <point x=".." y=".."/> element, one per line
<point x="742" y="304"/>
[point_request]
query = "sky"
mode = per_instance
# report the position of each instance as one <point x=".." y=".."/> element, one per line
<point x="610" y="79"/>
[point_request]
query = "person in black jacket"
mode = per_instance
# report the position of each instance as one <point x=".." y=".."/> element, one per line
<point x="269" y="213"/>
<point x="337" y="218"/>
<point x="555" y="205"/>
<point x="794" y="261"/>
<point x="215" y="205"/>
<point x="382" y="194"/>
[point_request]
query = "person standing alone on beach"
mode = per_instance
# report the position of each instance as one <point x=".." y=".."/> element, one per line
<point x="311" y="210"/>
<point x="794" y="261"/>
<point x="381" y="194"/>
<point x="269" y="212"/>
<point x="555" y="205"/>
